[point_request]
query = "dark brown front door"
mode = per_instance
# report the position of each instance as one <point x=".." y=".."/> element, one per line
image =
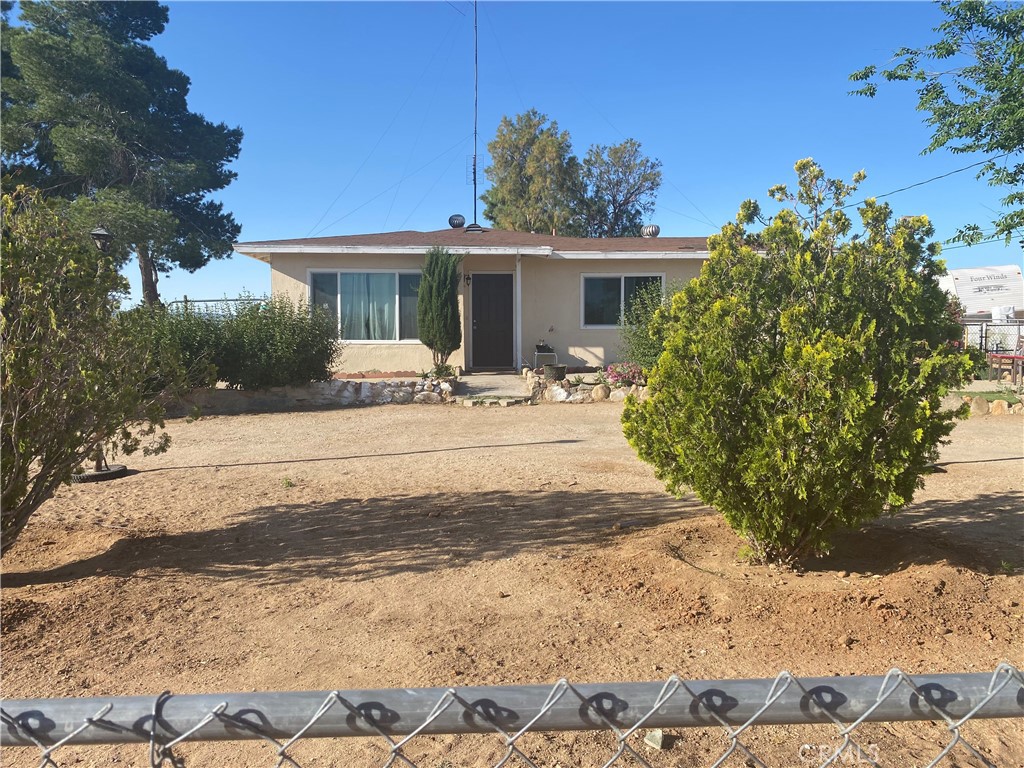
<point x="492" y="321"/>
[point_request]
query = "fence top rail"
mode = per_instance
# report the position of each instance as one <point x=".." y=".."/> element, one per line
<point x="1010" y="322"/>
<point x="674" y="703"/>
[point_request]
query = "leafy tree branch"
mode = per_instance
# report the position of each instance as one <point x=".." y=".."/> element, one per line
<point x="970" y="82"/>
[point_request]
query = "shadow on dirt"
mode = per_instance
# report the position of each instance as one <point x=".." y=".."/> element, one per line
<point x="359" y="539"/>
<point x="982" y="534"/>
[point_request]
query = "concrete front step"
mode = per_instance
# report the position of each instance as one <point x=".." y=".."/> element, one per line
<point x="500" y="402"/>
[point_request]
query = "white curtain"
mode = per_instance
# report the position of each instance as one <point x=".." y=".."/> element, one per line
<point x="368" y="306"/>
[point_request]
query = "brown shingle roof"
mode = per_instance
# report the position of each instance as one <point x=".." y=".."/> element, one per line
<point x="495" y="238"/>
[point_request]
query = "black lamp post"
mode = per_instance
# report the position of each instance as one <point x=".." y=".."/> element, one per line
<point x="101" y="470"/>
<point x="102" y="238"/>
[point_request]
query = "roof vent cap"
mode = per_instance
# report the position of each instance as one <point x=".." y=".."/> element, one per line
<point x="650" y="230"/>
<point x="456" y="220"/>
<point x="474" y="227"/>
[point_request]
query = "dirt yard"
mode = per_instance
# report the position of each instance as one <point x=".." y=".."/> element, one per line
<point x="436" y="546"/>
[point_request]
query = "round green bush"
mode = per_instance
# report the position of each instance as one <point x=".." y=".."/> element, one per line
<point x="800" y="386"/>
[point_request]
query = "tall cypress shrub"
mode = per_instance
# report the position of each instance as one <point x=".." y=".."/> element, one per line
<point x="438" y="305"/>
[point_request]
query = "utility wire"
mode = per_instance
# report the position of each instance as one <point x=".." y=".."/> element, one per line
<point x="394" y="119"/>
<point x="671" y="182"/>
<point x="419" y="134"/>
<point x="388" y="189"/>
<point x="705" y="220"/>
<point x="501" y="52"/>
<point x="427" y="193"/>
<point x="968" y="245"/>
<point x="928" y="181"/>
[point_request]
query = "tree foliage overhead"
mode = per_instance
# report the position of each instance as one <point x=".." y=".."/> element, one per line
<point x="539" y="185"/>
<point x="437" y="305"/>
<point x="533" y="175"/>
<point x="971" y="84"/>
<point x="91" y="113"/>
<point x="799" y="390"/>
<point x="619" y="185"/>
<point x="76" y="372"/>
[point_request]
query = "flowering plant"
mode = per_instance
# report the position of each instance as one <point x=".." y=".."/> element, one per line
<point x="625" y="374"/>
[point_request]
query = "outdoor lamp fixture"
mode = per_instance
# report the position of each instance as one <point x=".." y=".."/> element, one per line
<point x="101" y="470"/>
<point x="468" y="279"/>
<point x="102" y="238"/>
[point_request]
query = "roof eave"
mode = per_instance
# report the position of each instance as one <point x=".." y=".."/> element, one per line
<point x="263" y="252"/>
<point x="628" y="255"/>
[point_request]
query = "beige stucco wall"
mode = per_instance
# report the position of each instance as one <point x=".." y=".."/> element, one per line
<point x="290" y="275"/>
<point x="552" y="300"/>
<point x="551" y="305"/>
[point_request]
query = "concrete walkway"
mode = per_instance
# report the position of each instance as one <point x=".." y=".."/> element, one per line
<point x="500" y="385"/>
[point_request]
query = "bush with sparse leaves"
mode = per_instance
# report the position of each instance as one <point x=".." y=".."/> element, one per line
<point x="77" y="373"/>
<point x="641" y="342"/>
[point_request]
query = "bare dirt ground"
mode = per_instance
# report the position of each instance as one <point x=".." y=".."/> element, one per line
<point x="437" y="546"/>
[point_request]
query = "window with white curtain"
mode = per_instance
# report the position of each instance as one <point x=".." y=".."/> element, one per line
<point x="369" y="306"/>
<point x="605" y="297"/>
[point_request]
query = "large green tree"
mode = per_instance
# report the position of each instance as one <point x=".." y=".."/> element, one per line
<point x="539" y="185"/>
<point x="533" y="175"/>
<point x="800" y="386"/>
<point x="619" y="185"/>
<point x="970" y="82"/>
<point x="91" y="113"/>
<point x="76" y="373"/>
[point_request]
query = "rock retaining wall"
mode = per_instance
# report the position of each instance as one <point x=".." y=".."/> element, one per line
<point x="564" y="391"/>
<point x="317" y="395"/>
<point x="981" y="406"/>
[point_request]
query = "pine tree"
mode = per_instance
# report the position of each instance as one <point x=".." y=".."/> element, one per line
<point x="92" y="114"/>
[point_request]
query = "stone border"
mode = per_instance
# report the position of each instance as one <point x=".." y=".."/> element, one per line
<point x="564" y="391"/>
<point x="542" y="390"/>
<point x="337" y="393"/>
<point x="981" y="406"/>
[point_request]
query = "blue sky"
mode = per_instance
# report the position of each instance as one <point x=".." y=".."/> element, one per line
<point x="358" y="117"/>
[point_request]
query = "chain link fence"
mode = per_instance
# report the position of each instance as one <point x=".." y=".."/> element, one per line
<point x="633" y="713"/>
<point x="215" y="307"/>
<point x="992" y="337"/>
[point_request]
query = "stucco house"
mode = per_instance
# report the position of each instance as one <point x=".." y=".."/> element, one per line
<point x="518" y="290"/>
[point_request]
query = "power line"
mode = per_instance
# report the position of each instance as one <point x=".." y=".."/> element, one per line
<point x="705" y="220"/>
<point x="419" y="134"/>
<point x="501" y="52"/>
<point x="968" y="245"/>
<point x="427" y="193"/>
<point x="928" y="181"/>
<point x="384" y="191"/>
<point x="394" y="119"/>
<point x="615" y="128"/>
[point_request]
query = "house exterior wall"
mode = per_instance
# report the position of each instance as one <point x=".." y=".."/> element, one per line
<point x="552" y="297"/>
<point x="290" y="276"/>
<point x="551" y="304"/>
